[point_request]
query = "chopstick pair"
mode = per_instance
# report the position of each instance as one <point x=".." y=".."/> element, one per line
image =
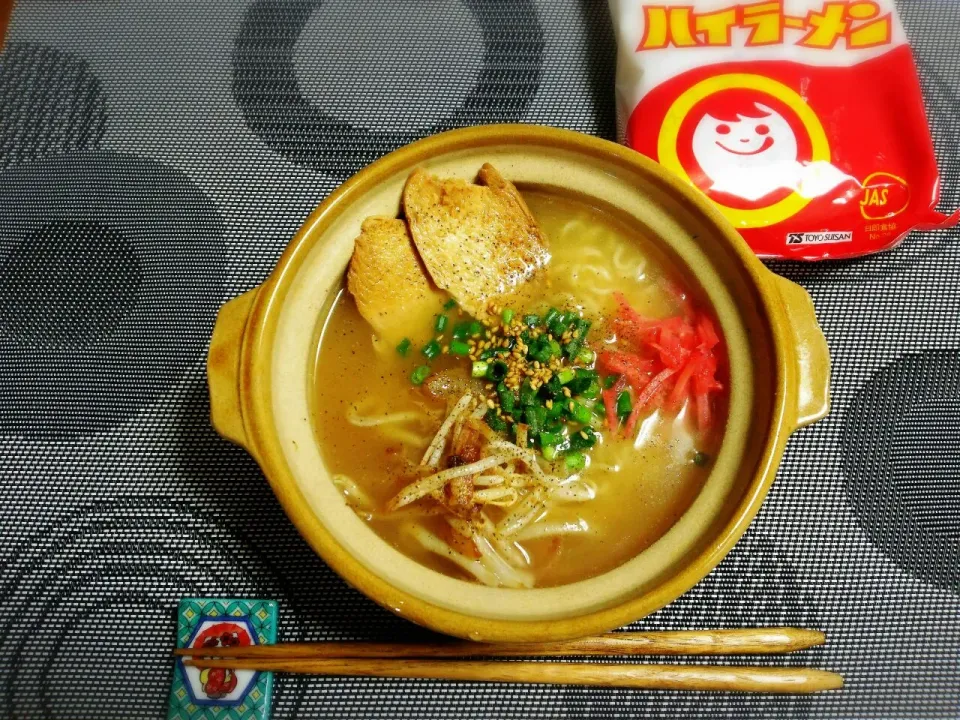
<point x="432" y="660"/>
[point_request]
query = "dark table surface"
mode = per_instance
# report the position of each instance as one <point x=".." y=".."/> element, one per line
<point x="154" y="160"/>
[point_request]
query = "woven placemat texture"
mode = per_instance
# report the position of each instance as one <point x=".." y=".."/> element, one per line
<point x="155" y="158"/>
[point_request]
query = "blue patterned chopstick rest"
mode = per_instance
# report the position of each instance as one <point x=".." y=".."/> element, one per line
<point x="224" y="694"/>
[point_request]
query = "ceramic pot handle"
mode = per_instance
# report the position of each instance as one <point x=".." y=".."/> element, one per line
<point x="223" y="368"/>
<point x="812" y="354"/>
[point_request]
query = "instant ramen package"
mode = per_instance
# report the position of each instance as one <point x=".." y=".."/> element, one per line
<point x="801" y="119"/>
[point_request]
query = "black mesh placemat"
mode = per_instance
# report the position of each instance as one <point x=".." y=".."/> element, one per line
<point x="154" y="160"/>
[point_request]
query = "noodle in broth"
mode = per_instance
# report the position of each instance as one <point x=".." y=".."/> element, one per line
<point x="375" y="429"/>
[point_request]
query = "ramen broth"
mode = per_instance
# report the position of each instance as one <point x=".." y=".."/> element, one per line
<point x="371" y="422"/>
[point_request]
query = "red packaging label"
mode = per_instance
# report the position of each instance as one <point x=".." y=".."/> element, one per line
<point x="802" y="121"/>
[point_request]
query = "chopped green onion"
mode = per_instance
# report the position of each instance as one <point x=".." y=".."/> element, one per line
<point x="540" y="350"/>
<point x="583" y="439"/>
<point x="549" y="439"/>
<point x="508" y="400"/>
<point x="556" y="411"/>
<point x="536" y="416"/>
<point x="553" y="389"/>
<point x="450" y="304"/>
<point x="461" y="331"/>
<point x="557" y="327"/>
<point x="701" y="459"/>
<point x="440" y="323"/>
<point x="431" y="349"/>
<point x="488" y="353"/>
<point x="566" y="375"/>
<point x="609" y="381"/>
<point x="479" y="369"/>
<point x="528" y="396"/>
<point x="576" y="461"/>
<point x="553" y="349"/>
<point x="587" y="374"/>
<point x="497" y="370"/>
<point x="495" y="422"/>
<point x="553" y="426"/>
<point x="404" y="346"/>
<point x="592" y="390"/>
<point x="531" y="320"/>
<point x="580" y="329"/>
<point x="552" y="314"/>
<point x="581" y="413"/>
<point x="582" y="381"/>
<point x="507" y="316"/>
<point x="420" y="374"/>
<point x="475" y="328"/>
<point x="586" y="356"/>
<point x="549" y="452"/>
<point x="541" y="355"/>
<point x="624" y="403"/>
<point x="459" y="347"/>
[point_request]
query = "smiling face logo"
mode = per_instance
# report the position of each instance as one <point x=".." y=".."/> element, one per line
<point x="751" y="139"/>
<point x="753" y="145"/>
<point x="747" y="153"/>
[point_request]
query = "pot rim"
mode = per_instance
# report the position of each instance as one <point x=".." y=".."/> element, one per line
<point x="264" y="445"/>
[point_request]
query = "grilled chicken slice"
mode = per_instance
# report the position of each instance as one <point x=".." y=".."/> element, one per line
<point x="387" y="280"/>
<point x="478" y="242"/>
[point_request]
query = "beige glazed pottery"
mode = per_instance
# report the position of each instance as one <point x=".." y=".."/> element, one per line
<point x="263" y="349"/>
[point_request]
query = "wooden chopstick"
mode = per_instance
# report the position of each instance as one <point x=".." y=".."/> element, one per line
<point x="685" y="642"/>
<point x="649" y="677"/>
<point x="426" y="660"/>
<point x="6" y="10"/>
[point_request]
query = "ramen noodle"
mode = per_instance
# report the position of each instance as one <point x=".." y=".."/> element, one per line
<point x="547" y="443"/>
<point x="802" y="120"/>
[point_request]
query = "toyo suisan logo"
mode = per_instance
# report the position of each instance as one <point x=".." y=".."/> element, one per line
<point x="819" y="238"/>
<point x="855" y="24"/>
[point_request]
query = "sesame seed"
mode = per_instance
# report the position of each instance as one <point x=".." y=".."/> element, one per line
<point x="549" y="404"/>
<point x="570" y="405"/>
<point x="566" y="391"/>
<point x="584" y="435"/>
<point x="491" y="404"/>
